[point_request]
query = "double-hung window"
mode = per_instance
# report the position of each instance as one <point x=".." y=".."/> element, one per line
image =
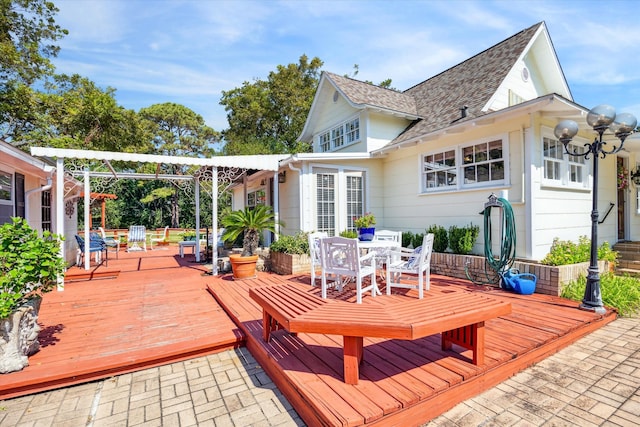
<point x="353" y="130"/>
<point x="340" y="136"/>
<point x="481" y="163"/>
<point x="325" y="141"/>
<point x="562" y="169"/>
<point x="337" y="137"/>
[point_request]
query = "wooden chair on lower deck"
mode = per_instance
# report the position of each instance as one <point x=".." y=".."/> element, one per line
<point x="411" y="264"/>
<point x="341" y="258"/>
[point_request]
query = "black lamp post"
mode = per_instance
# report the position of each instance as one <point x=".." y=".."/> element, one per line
<point x="600" y="118"/>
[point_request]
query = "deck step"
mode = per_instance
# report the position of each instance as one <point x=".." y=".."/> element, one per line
<point x="628" y="258"/>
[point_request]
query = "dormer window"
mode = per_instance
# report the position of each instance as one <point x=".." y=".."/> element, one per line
<point x="340" y="136"/>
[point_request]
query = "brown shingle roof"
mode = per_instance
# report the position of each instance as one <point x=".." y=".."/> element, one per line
<point x="362" y="93"/>
<point x="471" y="83"/>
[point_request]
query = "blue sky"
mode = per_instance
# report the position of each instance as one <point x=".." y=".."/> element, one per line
<point x="189" y="51"/>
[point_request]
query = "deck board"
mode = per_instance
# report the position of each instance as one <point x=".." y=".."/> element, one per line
<point x="157" y="310"/>
<point x="403" y="382"/>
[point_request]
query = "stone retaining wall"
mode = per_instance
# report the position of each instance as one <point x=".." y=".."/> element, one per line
<point x="551" y="279"/>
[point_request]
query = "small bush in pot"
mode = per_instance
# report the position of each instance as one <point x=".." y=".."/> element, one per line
<point x="29" y="264"/>
<point x="29" y="267"/>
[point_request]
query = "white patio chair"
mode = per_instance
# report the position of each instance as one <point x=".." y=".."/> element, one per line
<point x="314" y="253"/>
<point x="383" y="251"/>
<point x="413" y="265"/>
<point x="387" y="235"/>
<point x="111" y="242"/>
<point x="341" y="258"/>
<point x="159" y="237"/>
<point x="137" y="235"/>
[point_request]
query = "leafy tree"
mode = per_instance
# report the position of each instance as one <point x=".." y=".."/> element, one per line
<point x="267" y="116"/>
<point x="178" y="131"/>
<point x="25" y="27"/>
<point x="74" y="113"/>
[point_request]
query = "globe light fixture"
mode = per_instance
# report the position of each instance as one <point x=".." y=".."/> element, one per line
<point x="601" y="119"/>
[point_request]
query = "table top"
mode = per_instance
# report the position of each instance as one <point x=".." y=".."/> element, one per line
<point x="368" y="244"/>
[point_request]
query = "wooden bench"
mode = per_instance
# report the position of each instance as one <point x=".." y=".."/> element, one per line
<point x="458" y="316"/>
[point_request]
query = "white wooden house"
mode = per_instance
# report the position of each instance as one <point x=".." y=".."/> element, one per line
<point x="27" y="191"/>
<point x="434" y="153"/>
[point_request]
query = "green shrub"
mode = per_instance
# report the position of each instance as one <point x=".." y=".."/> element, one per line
<point x="565" y="252"/>
<point x="621" y="292"/>
<point x="417" y="239"/>
<point x="407" y="239"/>
<point x="296" y="244"/>
<point x="462" y="239"/>
<point x="29" y="264"/>
<point x="440" y="238"/>
<point x="349" y="234"/>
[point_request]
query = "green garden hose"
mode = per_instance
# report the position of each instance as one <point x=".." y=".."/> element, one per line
<point x="502" y="263"/>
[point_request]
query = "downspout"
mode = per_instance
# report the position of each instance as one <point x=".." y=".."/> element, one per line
<point x="523" y="164"/>
<point x="299" y="170"/>
<point x="46" y="187"/>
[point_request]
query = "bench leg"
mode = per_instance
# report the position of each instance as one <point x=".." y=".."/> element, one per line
<point x="352" y="354"/>
<point x="470" y="337"/>
<point x="266" y="325"/>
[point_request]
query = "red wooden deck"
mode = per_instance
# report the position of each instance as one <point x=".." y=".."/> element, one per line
<point x="157" y="310"/>
<point x="402" y="382"/>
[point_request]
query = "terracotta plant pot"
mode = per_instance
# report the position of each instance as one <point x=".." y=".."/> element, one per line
<point x="243" y="267"/>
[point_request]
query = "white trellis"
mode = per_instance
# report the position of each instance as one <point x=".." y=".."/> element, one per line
<point x="86" y="164"/>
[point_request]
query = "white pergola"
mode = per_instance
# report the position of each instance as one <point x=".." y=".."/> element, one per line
<point x="207" y="166"/>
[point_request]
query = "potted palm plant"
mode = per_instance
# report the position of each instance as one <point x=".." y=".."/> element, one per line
<point x="250" y="223"/>
<point x="29" y="267"/>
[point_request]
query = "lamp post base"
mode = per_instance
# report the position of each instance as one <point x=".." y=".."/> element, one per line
<point x="595" y="309"/>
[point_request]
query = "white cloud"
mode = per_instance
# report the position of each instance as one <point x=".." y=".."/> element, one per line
<point x="189" y="51"/>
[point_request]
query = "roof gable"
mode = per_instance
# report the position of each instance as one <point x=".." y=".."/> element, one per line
<point x="470" y="84"/>
<point x="358" y="95"/>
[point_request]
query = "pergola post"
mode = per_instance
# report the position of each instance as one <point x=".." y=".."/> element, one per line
<point x="197" y="194"/>
<point x="87" y="215"/>
<point x="214" y="220"/>
<point x="60" y="212"/>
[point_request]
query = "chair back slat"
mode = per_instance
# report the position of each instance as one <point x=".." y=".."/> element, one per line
<point x="340" y="256"/>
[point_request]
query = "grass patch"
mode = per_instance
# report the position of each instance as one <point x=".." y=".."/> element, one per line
<point x="621" y="292"/>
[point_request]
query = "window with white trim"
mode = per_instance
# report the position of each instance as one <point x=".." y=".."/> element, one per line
<point x="483" y="162"/>
<point x="439" y="169"/>
<point x="325" y="141"/>
<point x="479" y="164"/>
<point x="326" y="203"/>
<point x="340" y="136"/>
<point x="563" y="169"/>
<point x="353" y="130"/>
<point x="355" y="200"/>
<point x="255" y="198"/>
<point x="340" y="199"/>
<point x="337" y="137"/>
